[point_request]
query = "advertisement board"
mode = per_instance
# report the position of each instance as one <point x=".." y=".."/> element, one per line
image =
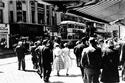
<point x="4" y="34"/>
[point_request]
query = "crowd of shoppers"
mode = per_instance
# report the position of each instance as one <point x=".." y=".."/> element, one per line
<point x="96" y="58"/>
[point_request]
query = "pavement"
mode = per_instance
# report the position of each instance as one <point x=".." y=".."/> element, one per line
<point x="9" y="73"/>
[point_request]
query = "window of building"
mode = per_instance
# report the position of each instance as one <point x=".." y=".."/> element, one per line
<point x="41" y="13"/>
<point x="48" y="15"/>
<point x="11" y="2"/>
<point x="1" y="16"/>
<point x="19" y="5"/>
<point x="11" y="17"/>
<point x="23" y="1"/>
<point x="40" y="18"/>
<point x="24" y="16"/>
<point x="33" y="16"/>
<point x="19" y="16"/>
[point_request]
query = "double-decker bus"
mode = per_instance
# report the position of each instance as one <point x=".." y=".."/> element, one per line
<point x="71" y="30"/>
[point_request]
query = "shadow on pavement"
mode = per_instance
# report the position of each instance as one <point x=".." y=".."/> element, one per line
<point x="30" y="71"/>
<point x="54" y="82"/>
<point x="70" y="75"/>
<point x="1" y="72"/>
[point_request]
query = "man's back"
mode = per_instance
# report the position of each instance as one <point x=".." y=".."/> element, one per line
<point x="78" y="52"/>
<point x="92" y="57"/>
<point x="47" y="55"/>
<point x="20" y="51"/>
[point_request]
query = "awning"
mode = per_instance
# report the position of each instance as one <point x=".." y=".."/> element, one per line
<point x="107" y="10"/>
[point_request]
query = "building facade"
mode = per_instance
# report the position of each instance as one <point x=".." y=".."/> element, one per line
<point x="30" y="18"/>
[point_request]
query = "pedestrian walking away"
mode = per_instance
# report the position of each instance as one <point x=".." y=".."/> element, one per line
<point x="58" y="63"/>
<point x="20" y="53"/>
<point x="78" y="52"/>
<point x="47" y="57"/>
<point x="91" y="61"/>
<point x="67" y="58"/>
<point x="110" y="73"/>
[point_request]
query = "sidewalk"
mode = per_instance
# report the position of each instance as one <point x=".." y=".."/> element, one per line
<point x="10" y="60"/>
<point x="9" y="73"/>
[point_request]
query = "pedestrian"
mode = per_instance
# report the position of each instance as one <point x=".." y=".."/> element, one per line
<point x="122" y="60"/>
<point x="58" y="63"/>
<point x="20" y="53"/>
<point x="110" y="61"/>
<point x="78" y="52"/>
<point x="38" y="51"/>
<point x="67" y="58"/>
<point x="91" y="61"/>
<point x="34" y="55"/>
<point x="47" y="58"/>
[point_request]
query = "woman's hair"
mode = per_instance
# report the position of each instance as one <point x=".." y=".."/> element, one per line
<point x="65" y="44"/>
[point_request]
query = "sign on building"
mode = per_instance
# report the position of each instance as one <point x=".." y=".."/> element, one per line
<point x="4" y="33"/>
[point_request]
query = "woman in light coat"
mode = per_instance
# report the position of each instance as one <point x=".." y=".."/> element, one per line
<point x="58" y="63"/>
<point x="67" y="58"/>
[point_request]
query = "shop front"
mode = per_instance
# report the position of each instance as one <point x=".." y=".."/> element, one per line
<point x="4" y="35"/>
<point x="31" y="31"/>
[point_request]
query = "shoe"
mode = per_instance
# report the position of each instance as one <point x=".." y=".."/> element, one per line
<point x="67" y="74"/>
<point x="24" y="70"/>
<point x="46" y="80"/>
<point x="58" y="74"/>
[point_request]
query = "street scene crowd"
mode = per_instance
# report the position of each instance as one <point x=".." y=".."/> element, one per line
<point x="98" y="59"/>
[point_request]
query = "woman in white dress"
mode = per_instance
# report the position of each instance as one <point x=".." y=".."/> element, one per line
<point x="67" y="58"/>
<point x="58" y="63"/>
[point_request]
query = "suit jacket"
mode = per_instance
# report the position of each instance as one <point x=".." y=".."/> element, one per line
<point x="47" y="56"/>
<point x="78" y="52"/>
<point x="92" y="57"/>
<point x="110" y="65"/>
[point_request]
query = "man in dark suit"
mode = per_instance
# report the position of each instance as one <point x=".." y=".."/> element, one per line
<point x="91" y="61"/>
<point x="47" y="57"/>
<point x="20" y="52"/>
<point x="122" y="60"/>
<point x="78" y="52"/>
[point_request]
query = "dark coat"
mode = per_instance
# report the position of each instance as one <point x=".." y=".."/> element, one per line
<point x="47" y="56"/>
<point x="92" y="58"/>
<point x="78" y="52"/>
<point x="122" y="55"/>
<point x="34" y="54"/>
<point x="110" y="65"/>
<point x="20" y="51"/>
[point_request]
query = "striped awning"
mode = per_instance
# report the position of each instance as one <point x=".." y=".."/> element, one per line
<point x="108" y="10"/>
